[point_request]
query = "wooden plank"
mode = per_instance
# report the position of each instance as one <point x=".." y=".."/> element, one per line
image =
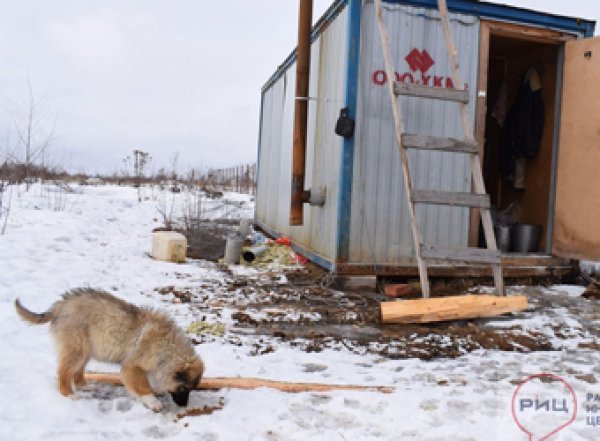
<point x="451" y="198"/>
<point x="437" y="93"/>
<point x="399" y="129"/>
<point x="425" y="142"/>
<point x="450" y="308"/>
<point x="480" y="255"/>
<point x="249" y="383"/>
<point x="529" y="33"/>
<point x="480" y="118"/>
<point x="454" y="269"/>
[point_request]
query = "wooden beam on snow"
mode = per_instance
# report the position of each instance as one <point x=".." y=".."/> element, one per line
<point x="450" y="308"/>
<point x="249" y="383"/>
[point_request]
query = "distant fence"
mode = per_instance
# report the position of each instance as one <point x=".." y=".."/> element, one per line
<point x="241" y="178"/>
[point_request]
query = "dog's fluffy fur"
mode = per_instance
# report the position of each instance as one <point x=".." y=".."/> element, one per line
<point x="151" y="349"/>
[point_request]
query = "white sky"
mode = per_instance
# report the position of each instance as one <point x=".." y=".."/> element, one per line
<point x="163" y="76"/>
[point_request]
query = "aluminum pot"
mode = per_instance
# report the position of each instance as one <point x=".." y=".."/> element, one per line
<point x="503" y="237"/>
<point x="526" y="238"/>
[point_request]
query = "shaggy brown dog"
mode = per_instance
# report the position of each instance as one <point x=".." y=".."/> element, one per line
<point x="151" y="349"/>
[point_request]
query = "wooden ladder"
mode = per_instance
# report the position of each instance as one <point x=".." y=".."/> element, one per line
<point x="478" y="199"/>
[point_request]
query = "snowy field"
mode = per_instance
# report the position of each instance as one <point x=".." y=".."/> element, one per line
<point x="101" y="237"/>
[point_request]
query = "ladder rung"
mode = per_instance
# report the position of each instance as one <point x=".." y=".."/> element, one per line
<point x="451" y="198"/>
<point x="426" y="142"/>
<point x="438" y="93"/>
<point x="479" y="255"/>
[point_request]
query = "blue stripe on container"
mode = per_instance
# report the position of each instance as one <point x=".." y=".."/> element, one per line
<point x="347" y="157"/>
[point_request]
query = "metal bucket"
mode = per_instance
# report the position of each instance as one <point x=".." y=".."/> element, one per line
<point x="503" y="238"/>
<point x="526" y="238"/>
<point x="233" y="248"/>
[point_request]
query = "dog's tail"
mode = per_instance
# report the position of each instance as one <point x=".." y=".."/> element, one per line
<point x="33" y="317"/>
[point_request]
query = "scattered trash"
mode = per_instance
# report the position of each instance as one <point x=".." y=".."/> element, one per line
<point x="269" y="254"/>
<point x="300" y="259"/>
<point x="252" y="253"/>
<point x="258" y="238"/>
<point x="283" y="241"/>
<point x="201" y="327"/>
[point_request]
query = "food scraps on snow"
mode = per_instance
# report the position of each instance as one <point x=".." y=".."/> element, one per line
<point x="201" y="327"/>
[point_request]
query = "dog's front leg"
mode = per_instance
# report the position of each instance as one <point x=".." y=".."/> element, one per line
<point x="135" y="380"/>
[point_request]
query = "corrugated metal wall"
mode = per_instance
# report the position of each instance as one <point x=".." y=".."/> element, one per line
<point x="380" y="227"/>
<point x="327" y="82"/>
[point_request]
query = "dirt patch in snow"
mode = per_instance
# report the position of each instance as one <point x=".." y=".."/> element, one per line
<point x="302" y="311"/>
<point x="198" y="411"/>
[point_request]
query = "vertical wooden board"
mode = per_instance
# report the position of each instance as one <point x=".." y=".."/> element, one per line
<point x="576" y="231"/>
<point x="481" y="111"/>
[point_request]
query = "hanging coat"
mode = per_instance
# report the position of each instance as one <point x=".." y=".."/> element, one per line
<point x="522" y="132"/>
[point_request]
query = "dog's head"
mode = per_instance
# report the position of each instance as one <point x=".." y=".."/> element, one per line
<point x="184" y="380"/>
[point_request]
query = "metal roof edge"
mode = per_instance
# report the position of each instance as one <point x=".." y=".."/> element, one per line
<point x="510" y="13"/>
<point x="472" y="7"/>
<point x="329" y="15"/>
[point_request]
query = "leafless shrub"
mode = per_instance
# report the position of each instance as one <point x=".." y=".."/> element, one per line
<point x="165" y="209"/>
<point x="5" y="197"/>
<point x="56" y="194"/>
<point x="192" y="209"/>
<point x="32" y="123"/>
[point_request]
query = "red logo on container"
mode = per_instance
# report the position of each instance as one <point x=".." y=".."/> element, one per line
<point x="419" y="63"/>
<point x="419" y="60"/>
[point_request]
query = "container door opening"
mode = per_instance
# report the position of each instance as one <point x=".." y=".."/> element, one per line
<point x="577" y="207"/>
<point x="519" y="140"/>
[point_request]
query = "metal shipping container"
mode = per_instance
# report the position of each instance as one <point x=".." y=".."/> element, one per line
<point x="364" y="225"/>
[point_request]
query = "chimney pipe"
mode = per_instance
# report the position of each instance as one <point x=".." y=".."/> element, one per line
<point x="299" y="195"/>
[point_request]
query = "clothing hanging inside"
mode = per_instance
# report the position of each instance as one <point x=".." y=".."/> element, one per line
<point x="523" y="127"/>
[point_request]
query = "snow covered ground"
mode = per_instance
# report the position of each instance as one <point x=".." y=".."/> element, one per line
<point x="101" y="237"/>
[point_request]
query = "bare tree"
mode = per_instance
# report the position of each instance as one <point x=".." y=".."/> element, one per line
<point x="5" y="196"/>
<point x="31" y="121"/>
<point x="173" y="159"/>
<point x="141" y="159"/>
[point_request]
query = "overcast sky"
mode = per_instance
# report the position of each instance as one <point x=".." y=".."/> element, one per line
<point x="168" y="77"/>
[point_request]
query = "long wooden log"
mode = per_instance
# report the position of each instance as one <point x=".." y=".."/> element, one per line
<point x="450" y="308"/>
<point x="250" y="383"/>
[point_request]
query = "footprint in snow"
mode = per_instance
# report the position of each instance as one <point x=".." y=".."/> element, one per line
<point x="312" y="367"/>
